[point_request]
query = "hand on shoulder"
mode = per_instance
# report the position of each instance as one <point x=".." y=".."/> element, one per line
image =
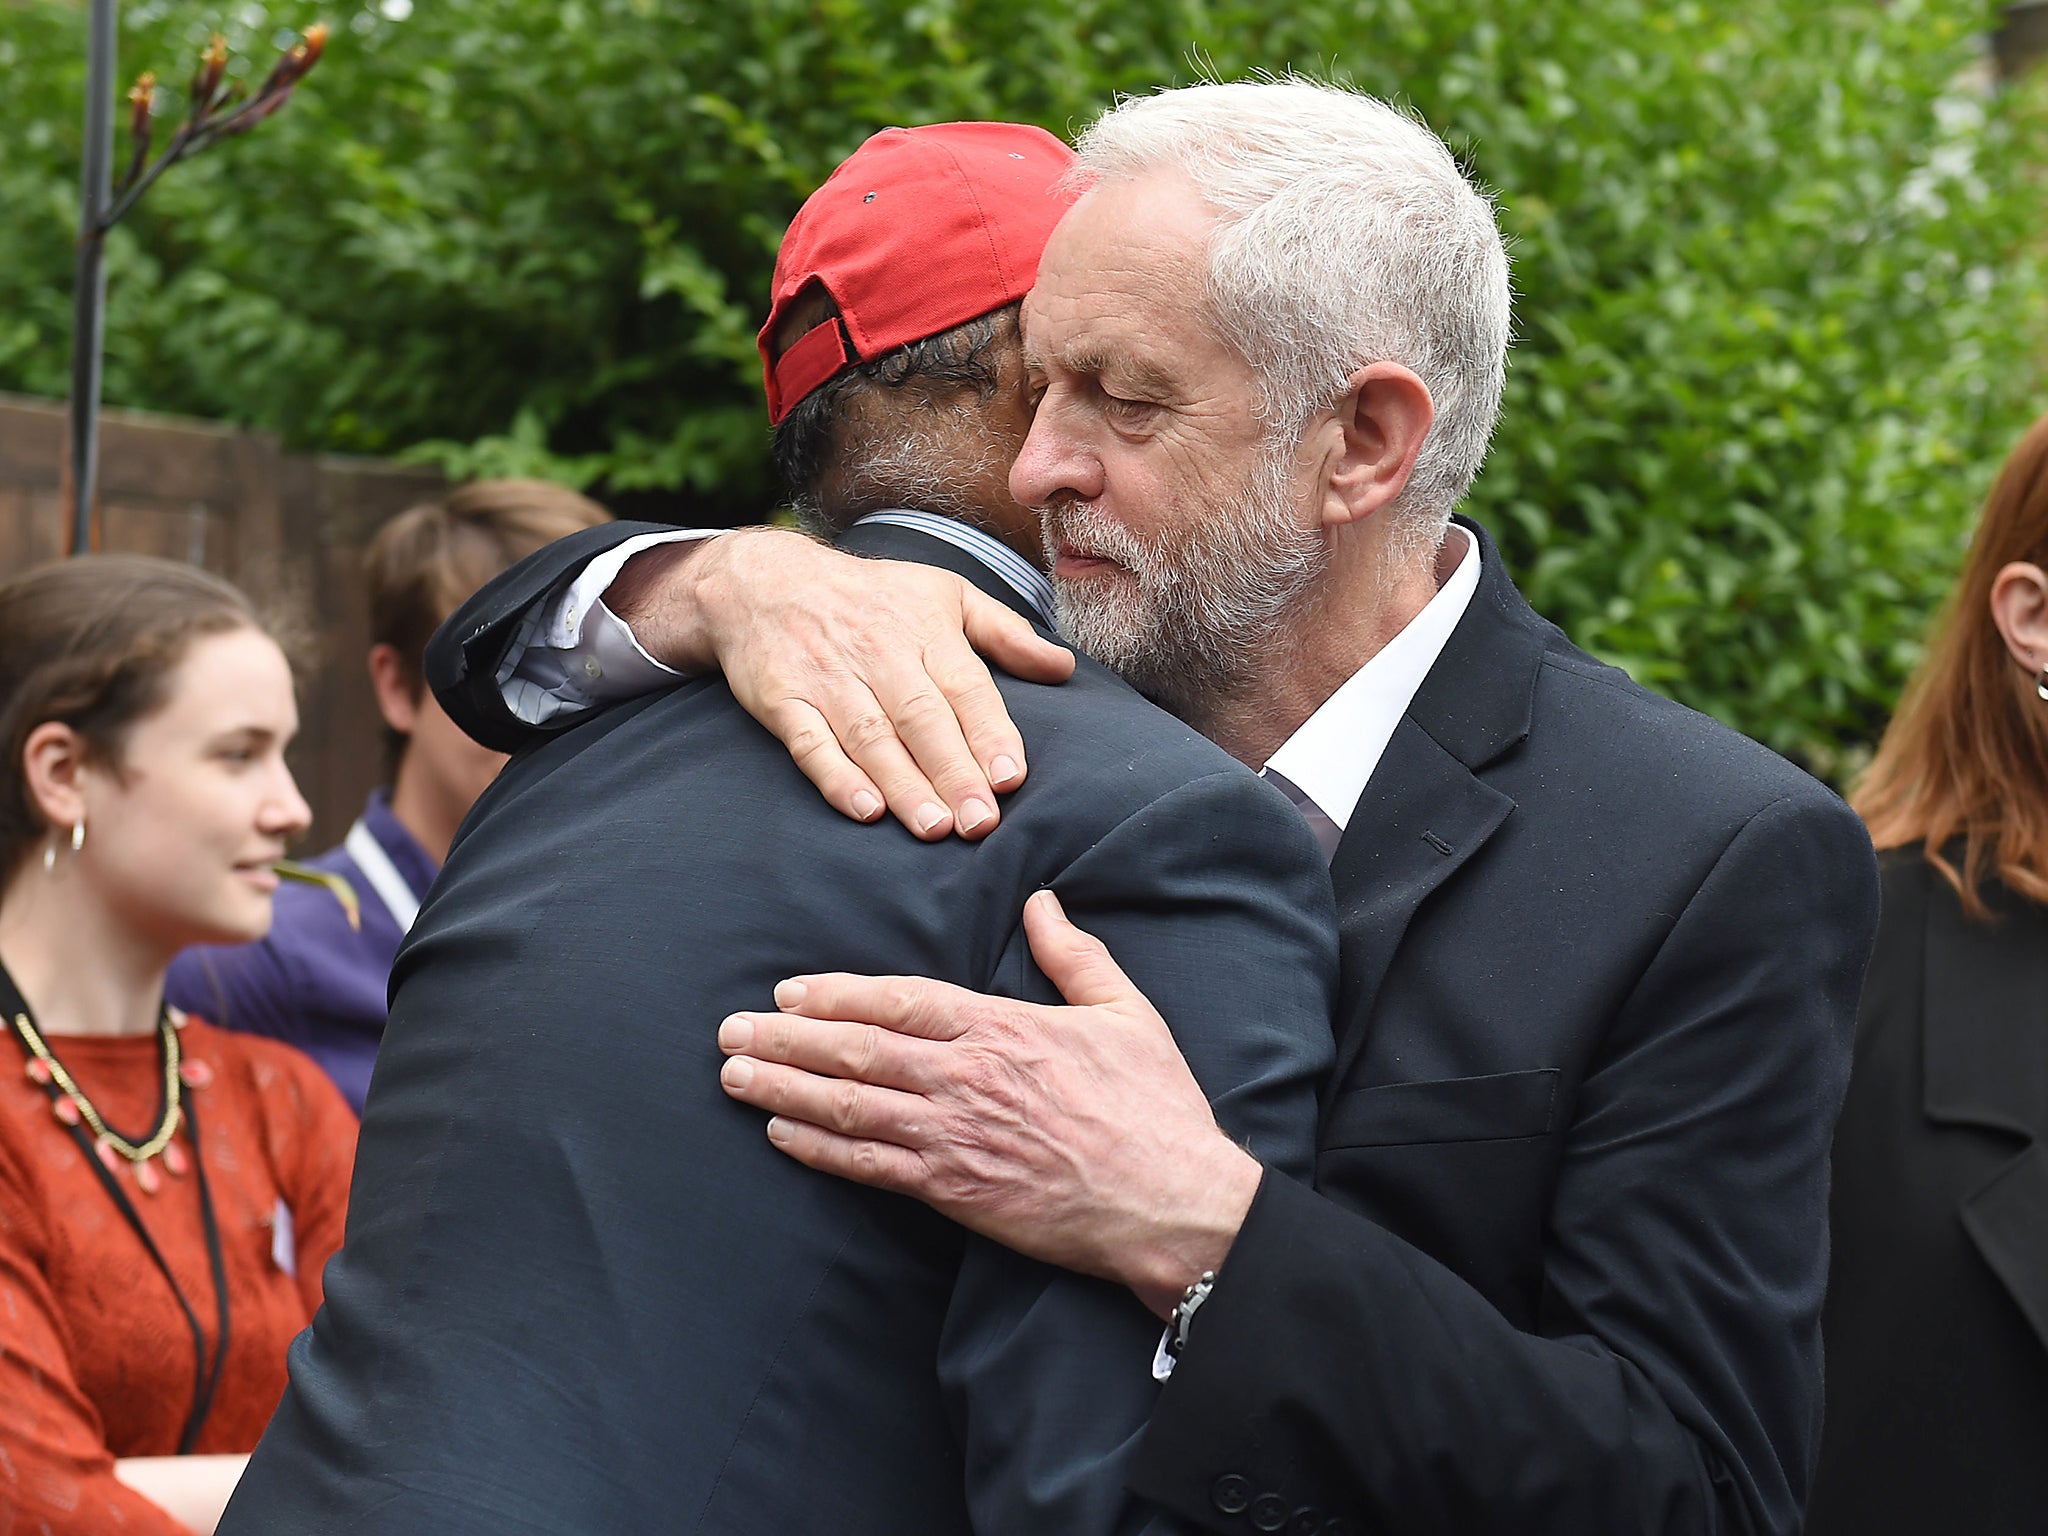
<point x="866" y="670"/>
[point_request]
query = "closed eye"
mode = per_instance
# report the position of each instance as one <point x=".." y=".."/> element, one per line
<point x="1127" y="411"/>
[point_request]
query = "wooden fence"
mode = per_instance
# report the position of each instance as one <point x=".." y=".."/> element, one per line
<point x="234" y="502"/>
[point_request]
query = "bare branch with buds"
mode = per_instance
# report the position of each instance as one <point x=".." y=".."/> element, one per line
<point x="216" y="110"/>
<point x="140" y="126"/>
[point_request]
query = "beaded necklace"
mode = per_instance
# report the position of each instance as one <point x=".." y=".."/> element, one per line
<point x="106" y="1149"/>
<point x="109" y="1144"/>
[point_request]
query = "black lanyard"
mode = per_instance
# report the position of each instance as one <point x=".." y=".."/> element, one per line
<point x="206" y="1365"/>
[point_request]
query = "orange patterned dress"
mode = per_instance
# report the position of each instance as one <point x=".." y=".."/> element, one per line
<point x="96" y="1358"/>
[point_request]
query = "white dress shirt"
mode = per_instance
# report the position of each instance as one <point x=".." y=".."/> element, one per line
<point x="1334" y="751"/>
<point x="574" y="653"/>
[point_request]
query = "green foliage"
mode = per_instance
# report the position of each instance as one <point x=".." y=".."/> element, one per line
<point x="1779" y="302"/>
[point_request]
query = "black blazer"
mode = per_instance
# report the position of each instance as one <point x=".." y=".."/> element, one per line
<point x="1564" y="1268"/>
<point x="582" y="1293"/>
<point x="1600" y="959"/>
<point x="1937" y="1319"/>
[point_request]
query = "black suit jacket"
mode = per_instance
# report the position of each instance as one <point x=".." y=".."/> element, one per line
<point x="1937" y="1318"/>
<point x="1564" y="1266"/>
<point x="1564" y="1269"/>
<point x="581" y="1292"/>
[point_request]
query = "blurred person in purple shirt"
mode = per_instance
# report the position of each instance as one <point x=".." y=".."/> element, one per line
<point x="316" y="982"/>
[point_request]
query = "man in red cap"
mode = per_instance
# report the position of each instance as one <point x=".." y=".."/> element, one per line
<point x="896" y="291"/>
<point x="895" y="382"/>
<point x="581" y="1290"/>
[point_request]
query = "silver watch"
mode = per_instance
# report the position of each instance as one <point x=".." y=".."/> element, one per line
<point x="1184" y="1315"/>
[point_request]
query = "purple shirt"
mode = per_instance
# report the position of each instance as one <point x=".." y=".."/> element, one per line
<point x="313" y="982"/>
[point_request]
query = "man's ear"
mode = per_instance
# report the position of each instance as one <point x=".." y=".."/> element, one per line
<point x="2019" y="607"/>
<point x="1375" y="432"/>
<point x="397" y="687"/>
<point x="53" y="764"/>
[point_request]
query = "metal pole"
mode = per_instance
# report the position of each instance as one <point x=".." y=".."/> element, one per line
<point x="89" y="296"/>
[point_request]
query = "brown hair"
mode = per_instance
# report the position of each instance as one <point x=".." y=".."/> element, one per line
<point x="1967" y="754"/>
<point x="92" y="643"/>
<point x="426" y="560"/>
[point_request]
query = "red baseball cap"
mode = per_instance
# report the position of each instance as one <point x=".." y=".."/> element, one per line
<point x="919" y="230"/>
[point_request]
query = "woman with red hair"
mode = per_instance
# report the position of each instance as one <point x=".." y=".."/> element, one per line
<point x="1937" y="1315"/>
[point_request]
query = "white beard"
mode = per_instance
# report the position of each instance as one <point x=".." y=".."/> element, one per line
<point x="1192" y="610"/>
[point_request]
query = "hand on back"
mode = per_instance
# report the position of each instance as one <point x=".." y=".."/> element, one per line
<point x="1076" y="1135"/>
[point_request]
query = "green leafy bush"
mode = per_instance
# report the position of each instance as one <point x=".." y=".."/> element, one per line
<point x="1779" y="299"/>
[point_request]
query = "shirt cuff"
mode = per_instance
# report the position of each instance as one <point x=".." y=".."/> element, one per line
<point x="575" y="654"/>
<point x="1163" y="1360"/>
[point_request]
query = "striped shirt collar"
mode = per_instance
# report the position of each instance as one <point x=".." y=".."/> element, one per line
<point x="1019" y="574"/>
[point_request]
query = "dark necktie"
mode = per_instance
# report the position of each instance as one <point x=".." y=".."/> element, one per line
<point x="1327" y="833"/>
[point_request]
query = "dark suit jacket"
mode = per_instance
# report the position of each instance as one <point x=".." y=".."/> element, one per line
<point x="580" y="1290"/>
<point x="1600" y="959"/>
<point x="1563" y="1271"/>
<point x="1937" y="1319"/>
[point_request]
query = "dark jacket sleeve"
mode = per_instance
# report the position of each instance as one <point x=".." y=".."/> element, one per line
<point x="1215" y="902"/>
<point x="1671" y="1383"/>
<point x="464" y="655"/>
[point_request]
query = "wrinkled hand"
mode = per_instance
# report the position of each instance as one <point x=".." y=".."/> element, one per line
<point x="1075" y="1135"/>
<point x="864" y="669"/>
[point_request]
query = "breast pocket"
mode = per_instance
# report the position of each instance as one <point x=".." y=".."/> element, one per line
<point x="1459" y="1167"/>
<point x="1502" y="1107"/>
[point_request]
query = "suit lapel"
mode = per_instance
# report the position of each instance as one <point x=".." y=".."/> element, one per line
<point x="1426" y="810"/>
<point x="1422" y="816"/>
<point x="1986" y="1059"/>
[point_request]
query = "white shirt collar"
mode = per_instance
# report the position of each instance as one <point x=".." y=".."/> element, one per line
<point x="1333" y="753"/>
<point x="1019" y="574"/>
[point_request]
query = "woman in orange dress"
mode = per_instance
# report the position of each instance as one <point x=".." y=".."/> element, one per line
<point x="169" y="1192"/>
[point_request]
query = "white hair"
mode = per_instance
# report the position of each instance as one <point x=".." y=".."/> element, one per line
<point x="1345" y="235"/>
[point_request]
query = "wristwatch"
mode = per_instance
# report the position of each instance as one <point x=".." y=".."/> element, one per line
<point x="1184" y="1315"/>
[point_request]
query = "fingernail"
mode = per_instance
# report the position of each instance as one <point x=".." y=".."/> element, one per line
<point x="1002" y="771"/>
<point x="778" y="1130"/>
<point x="866" y="806"/>
<point x="736" y="1033"/>
<point x="790" y="993"/>
<point x="1047" y="902"/>
<point x="929" y="816"/>
<point x="972" y="814"/>
<point x="737" y="1073"/>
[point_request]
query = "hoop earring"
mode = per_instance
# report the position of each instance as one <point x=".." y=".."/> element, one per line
<point x="50" y="856"/>
<point x="78" y="834"/>
<point x="2041" y="685"/>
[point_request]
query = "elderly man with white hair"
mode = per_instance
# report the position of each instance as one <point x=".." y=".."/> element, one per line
<point x="1562" y="1267"/>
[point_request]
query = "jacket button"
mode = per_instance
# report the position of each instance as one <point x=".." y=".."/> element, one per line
<point x="1306" y="1521"/>
<point x="1269" y="1512"/>
<point x="1335" y="1526"/>
<point x="1232" y="1493"/>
